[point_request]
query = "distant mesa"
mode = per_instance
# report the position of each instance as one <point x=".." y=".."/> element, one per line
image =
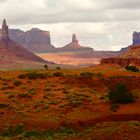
<point x="135" y="41"/>
<point x="130" y="55"/>
<point x="11" y="52"/>
<point x="136" y="38"/>
<point x="39" y="41"/>
<point x="35" y="40"/>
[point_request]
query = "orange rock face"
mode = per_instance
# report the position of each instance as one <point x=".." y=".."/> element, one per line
<point x="121" y="61"/>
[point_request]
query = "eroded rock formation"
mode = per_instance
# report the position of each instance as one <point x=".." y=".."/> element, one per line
<point x="5" y="32"/>
<point x="74" y="39"/>
<point x="35" y="40"/>
<point x="11" y="52"/>
<point x="121" y="61"/>
<point x="136" y="38"/>
<point x="130" y="55"/>
<point x="74" y="43"/>
<point x="75" y="48"/>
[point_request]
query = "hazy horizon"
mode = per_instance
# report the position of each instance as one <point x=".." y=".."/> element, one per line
<point x="102" y="25"/>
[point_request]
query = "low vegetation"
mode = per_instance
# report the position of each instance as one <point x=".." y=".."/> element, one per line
<point x="60" y="104"/>
<point x="58" y="74"/>
<point x="86" y="75"/>
<point x="17" y="83"/>
<point x="33" y="75"/>
<point x="120" y="93"/>
<point x="132" y="68"/>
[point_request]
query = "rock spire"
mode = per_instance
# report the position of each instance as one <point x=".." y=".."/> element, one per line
<point x="5" y="32"/>
<point x="74" y="39"/>
<point x="136" y="38"/>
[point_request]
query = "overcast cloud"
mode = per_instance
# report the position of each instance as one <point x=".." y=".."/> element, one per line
<point x="101" y="24"/>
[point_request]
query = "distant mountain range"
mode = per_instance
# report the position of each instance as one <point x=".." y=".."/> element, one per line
<point x="39" y="41"/>
<point x="24" y="44"/>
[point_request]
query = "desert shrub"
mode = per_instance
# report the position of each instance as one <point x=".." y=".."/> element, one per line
<point x="46" y="67"/>
<point x="38" y="134"/>
<point x="24" y="86"/>
<point x="47" y="89"/>
<point x="62" y="105"/>
<point x="32" y="134"/>
<point x="74" y="100"/>
<point x="53" y="102"/>
<point x="17" y="83"/>
<point x="58" y="74"/>
<point x="24" y="95"/>
<point x="3" y="105"/>
<point x="32" y="91"/>
<point x="86" y="75"/>
<point x="8" y="92"/>
<point x="58" y="68"/>
<point x="114" y="107"/>
<point x="11" y="96"/>
<point x="132" y="68"/>
<point x="52" y="85"/>
<point x="120" y="94"/>
<point x="66" y="131"/>
<point x="65" y="91"/>
<point x="45" y="96"/>
<point x="103" y="97"/>
<point x="22" y="76"/>
<point x="13" y="130"/>
<point x="49" y="134"/>
<point x="46" y="107"/>
<point x="33" y="75"/>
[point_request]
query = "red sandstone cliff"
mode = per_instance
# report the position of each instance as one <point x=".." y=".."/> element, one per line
<point x="131" y="56"/>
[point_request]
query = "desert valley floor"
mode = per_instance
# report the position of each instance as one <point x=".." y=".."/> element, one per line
<point x="67" y="104"/>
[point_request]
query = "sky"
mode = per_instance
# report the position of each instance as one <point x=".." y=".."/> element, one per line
<point x="100" y="24"/>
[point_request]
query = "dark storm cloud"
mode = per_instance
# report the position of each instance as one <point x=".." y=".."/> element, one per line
<point x="92" y="10"/>
<point x="95" y="21"/>
<point x="55" y="11"/>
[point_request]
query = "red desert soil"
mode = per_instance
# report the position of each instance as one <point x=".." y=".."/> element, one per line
<point x="68" y="101"/>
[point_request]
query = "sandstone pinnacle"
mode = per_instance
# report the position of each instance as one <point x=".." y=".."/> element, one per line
<point x="5" y="32"/>
<point x="74" y="39"/>
<point x="136" y="38"/>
